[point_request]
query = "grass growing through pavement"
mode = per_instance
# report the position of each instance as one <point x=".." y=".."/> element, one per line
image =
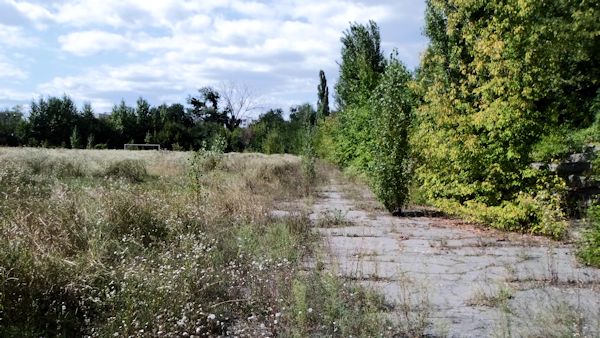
<point x="121" y="243"/>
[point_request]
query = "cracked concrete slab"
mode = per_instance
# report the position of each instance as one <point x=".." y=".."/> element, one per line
<point x="475" y="282"/>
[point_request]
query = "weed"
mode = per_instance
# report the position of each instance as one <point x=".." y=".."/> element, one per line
<point x="491" y="298"/>
<point x="413" y="308"/>
<point x="83" y="254"/>
<point x="332" y="219"/>
<point x="129" y="169"/>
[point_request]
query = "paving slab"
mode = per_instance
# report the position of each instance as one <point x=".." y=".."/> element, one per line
<point x="475" y="282"/>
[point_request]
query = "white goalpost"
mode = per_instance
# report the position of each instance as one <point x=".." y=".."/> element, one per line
<point x="137" y="146"/>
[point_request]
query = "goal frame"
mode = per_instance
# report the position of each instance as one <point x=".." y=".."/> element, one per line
<point x="126" y="146"/>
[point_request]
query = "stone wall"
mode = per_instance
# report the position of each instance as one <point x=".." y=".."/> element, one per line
<point x="577" y="170"/>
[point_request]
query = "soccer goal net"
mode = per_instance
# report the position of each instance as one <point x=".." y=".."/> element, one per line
<point x="140" y="146"/>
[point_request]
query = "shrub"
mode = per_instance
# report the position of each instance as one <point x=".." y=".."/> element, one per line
<point x="589" y="246"/>
<point x="560" y="143"/>
<point x="537" y="211"/>
<point x="132" y="170"/>
<point x="273" y="143"/>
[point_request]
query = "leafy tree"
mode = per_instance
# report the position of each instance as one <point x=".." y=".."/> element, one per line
<point x="10" y="123"/>
<point x="268" y="131"/>
<point x="227" y="106"/>
<point x="174" y="126"/>
<point x="361" y="68"/>
<point x="361" y="65"/>
<point x="301" y="117"/>
<point x="51" y="121"/>
<point x="393" y="101"/>
<point x="323" y="96"/>
<point x="497" y="76"/>
<point x="75" y="139"/>
<point x="206" y="107"/>
<point x="143" y="122"/>
<point x="124" y="121"/>
<point x="87" y="123"/>
<point x="354" y="138"/>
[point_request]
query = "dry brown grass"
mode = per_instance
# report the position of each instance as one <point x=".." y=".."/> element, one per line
<point x="84" y="251"/>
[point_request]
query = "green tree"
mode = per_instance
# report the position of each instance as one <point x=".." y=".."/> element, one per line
<point x="301" y="117"/>
<point x="323" y="96"/>
<point x="143" y="119"/>
<point x="226" y="107"/>
<point x="394" y="102"/>
<point x="362" y="62"/>
<point x="496" y="77"/>
<point x="88" y="123"/>
<point x="361" y="68"/>
<point x="124" y="121"/>
<point x="51" y="121"/>
<point x="10" y="122"/>
<point x="75" y="139"/>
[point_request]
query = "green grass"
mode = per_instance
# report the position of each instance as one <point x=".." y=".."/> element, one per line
<point x="123" y="243"/>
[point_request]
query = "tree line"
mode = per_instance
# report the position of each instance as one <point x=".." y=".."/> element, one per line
<point x="57" y="122"/>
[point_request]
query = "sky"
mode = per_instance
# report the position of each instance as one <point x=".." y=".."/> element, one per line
<point x="102" y="51"/>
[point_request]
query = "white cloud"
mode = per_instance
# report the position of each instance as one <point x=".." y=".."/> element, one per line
<point x="11" y="95"/>
<point x="91" y="42"/>
<point x="34" y="12"/>
<point x="13" y="36"/>
<point x="9" y="70"/>
<point x="162" y="49"/>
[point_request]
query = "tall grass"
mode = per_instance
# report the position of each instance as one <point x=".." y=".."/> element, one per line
<point x="116" y="243"/>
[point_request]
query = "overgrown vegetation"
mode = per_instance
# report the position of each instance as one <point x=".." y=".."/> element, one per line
<point x="369" y="135"/>
<point x="499" y="87"/>
<point x="162" y="244"/>
<point x="589" y="251"/>
<point x="490" y="93"/>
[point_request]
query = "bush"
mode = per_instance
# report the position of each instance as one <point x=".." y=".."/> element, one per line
<point x="538" y="211"/>
<point x="132" y="170"/>
<point x="273" y="143"/>
<point x="559" y="144"/>
<point x="589" y="246"/>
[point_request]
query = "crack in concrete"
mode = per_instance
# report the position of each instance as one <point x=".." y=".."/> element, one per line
<point x="449" y="262"/>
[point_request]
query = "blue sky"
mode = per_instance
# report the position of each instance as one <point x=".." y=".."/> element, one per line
<point x="101" y="51"/>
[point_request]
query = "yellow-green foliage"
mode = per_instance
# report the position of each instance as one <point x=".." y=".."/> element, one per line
<point x="325" y="139"/>
<point x="354" y="138"/>
<point x="537" y="212"/>
<point x="496" y="77"/>
<point x="589" y="246"/>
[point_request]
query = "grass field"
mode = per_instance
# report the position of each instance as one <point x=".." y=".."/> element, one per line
<point x="125" y="243"/>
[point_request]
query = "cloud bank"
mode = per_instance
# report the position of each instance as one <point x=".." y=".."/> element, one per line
<point x="104" y="50"/>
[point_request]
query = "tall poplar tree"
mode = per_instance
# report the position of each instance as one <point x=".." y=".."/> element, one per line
<point x="323" y="96"/>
